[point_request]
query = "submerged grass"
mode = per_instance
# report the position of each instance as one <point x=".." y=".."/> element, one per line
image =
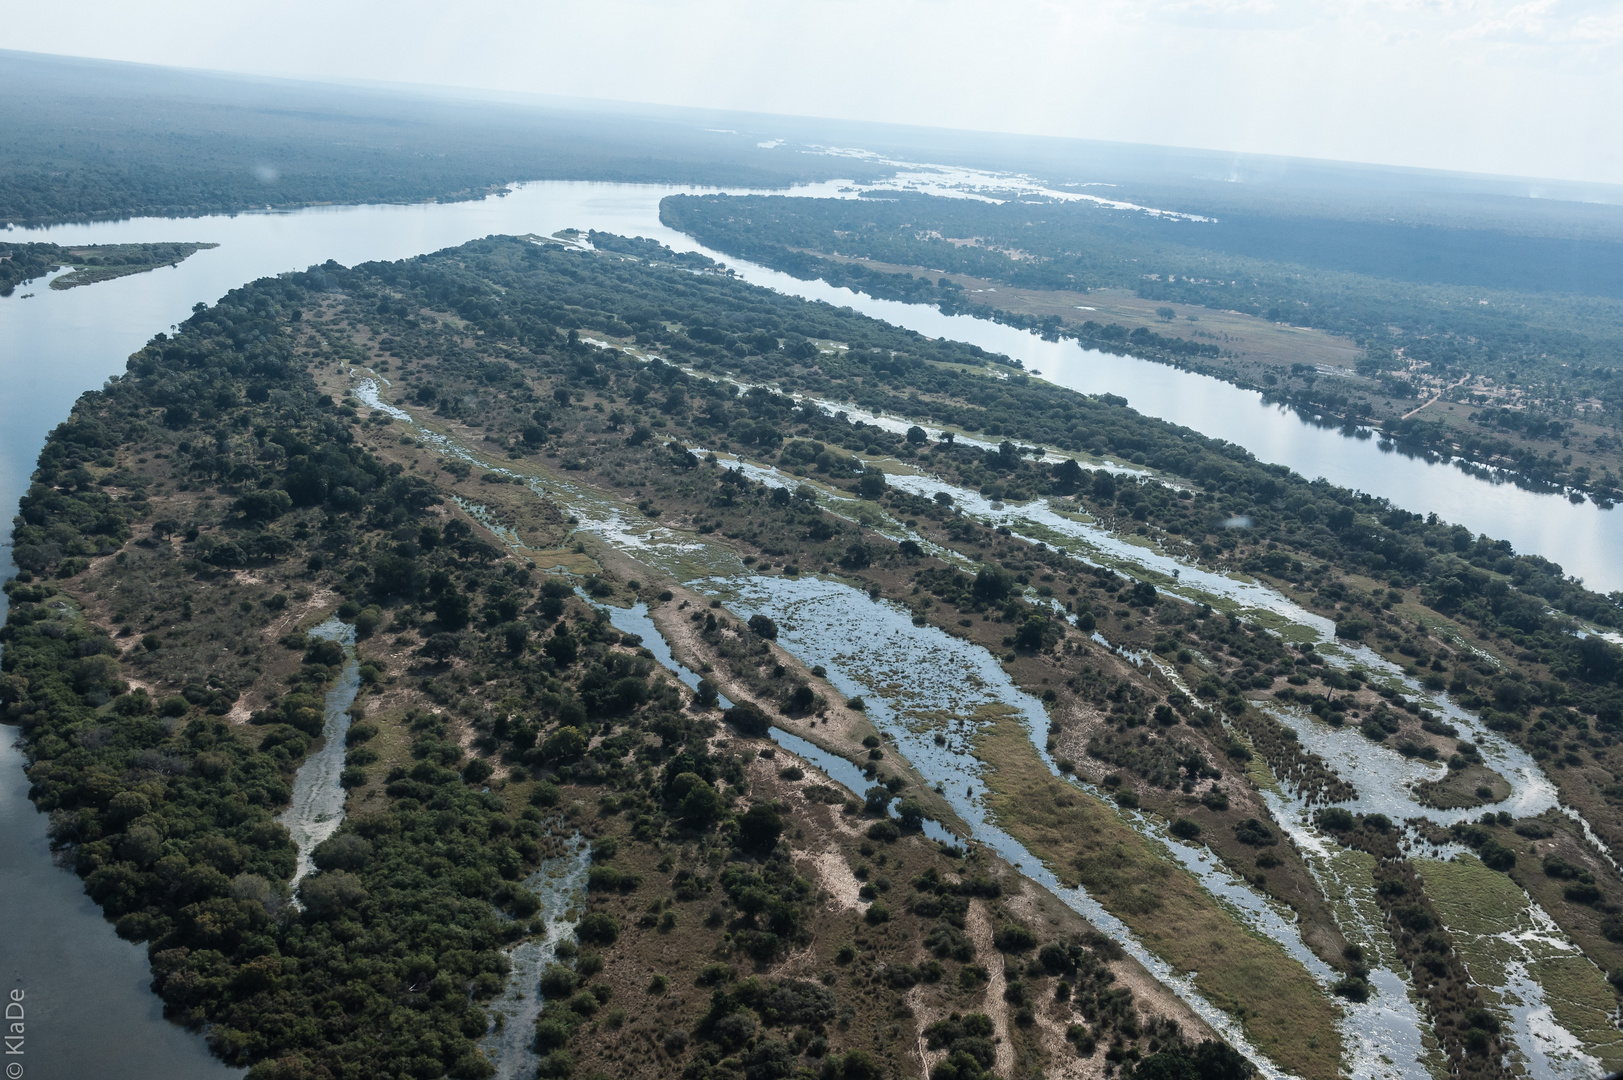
<point x="1496" y="930"/>
<point x="1282" y="1009"/>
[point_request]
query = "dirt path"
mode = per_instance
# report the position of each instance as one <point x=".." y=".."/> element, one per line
<point x="979" y="928"/>
<point x="837" y="879"/>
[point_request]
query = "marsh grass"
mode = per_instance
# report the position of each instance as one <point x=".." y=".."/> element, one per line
<point x="1493" y="925"/>
<point x="1282" y="1009"/>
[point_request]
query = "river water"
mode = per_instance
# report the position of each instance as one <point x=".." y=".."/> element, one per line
<point x="87" y="998"/>
<point x="56" y="344"/>
<point x="560" y="885"/>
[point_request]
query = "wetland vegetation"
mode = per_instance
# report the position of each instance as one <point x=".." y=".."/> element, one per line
<point x="195" y="519"/>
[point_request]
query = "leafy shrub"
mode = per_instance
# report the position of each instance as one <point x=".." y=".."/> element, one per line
<point x="886" y="832"/>
<point x="329" y="894"/>
<point x="1496" y="856"/>
<point x="748" y="718"/>
<point x="598" y="928"/>
<point x="360" y="732"/>
<point x="759" y="828"/>
<point x="1012" y="937"/>
<point x="1253" y="832"/>
<point x="1335" y="819"/>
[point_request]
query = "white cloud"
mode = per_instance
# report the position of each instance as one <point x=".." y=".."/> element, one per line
<point x="1231" y="14"/>
<point x="1553" y="23"/>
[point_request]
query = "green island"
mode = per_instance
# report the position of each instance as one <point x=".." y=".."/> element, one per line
<point x="22" y="263"/>
<point x="195" y="519"/>
<point x="740" y="914"/>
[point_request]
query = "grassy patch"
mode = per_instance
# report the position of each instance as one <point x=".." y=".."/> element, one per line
<point x="1287" y="878"/>
<point x="1282" y="1009"/>
<point x="1460" y="788"/>
<point x="1476" y="901"/>
<point x="1491" y="917"/>
<point x="392" y="747"/>
<point x="1584" y="923"/>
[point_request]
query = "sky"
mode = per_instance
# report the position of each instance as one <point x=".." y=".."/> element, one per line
<point x="1496" y="86"/>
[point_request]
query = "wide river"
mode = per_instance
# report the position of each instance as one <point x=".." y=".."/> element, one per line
<point x="90" y="1012"/>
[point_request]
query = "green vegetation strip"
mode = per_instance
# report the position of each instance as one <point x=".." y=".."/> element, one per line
<point x="98" y="262"/>
<point x="1283" y="1011"/>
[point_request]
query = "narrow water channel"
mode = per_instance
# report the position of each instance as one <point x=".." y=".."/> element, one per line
<point x="317" y="808"/>
<point x="560" y="885"/>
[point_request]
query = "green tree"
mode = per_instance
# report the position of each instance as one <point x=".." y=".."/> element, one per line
<point x="1031" y="634"/>
<point x="759" y="828"/>
<point x="748" y="718"/>
<point x="565" y="744"/>
<point x="452" y="610"/>
<point x="702" y="804"/>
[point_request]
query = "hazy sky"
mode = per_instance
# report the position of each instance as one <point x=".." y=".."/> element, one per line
<point x="1529" y="88"/>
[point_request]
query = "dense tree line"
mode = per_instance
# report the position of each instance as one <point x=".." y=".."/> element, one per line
<point x="1558" y="348"/>
<point x="88" y="141"/>
<point x="1072" y="246"/>
<point x="25" y="262"/>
